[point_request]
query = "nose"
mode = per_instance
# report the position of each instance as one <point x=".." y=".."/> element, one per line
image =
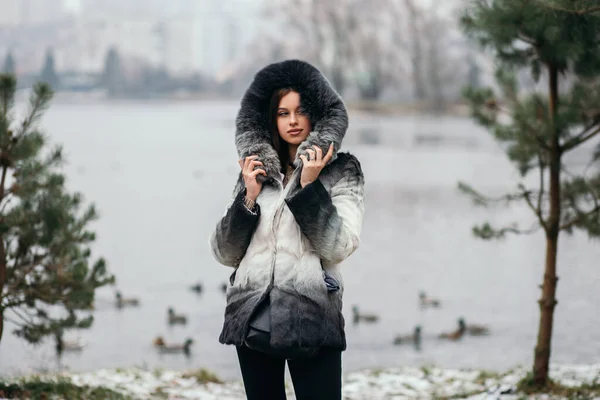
<point x="293" y="119"/>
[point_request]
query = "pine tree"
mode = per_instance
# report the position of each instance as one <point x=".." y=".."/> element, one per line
<point x="49" y="75"/>
<point x="9" y="64"/>
<point x="47" y="281"/>
<point x="557" y="42"/>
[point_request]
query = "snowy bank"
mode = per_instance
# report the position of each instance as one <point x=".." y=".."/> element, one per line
<point x="394" y="383"/>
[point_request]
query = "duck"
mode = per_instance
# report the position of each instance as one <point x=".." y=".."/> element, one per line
<point x="122" y="301"/>
<point x="414" y="338"/>
<point x="457" y="334"/>
<point x="196" y="288"/>
<point x="173" y="348"/>
<point x="428" y="301"/>
<point x="176" y="319"/>
<point x="363" y="317"/>
<point x="68" y="345"/>
<point x="475" y="330"/>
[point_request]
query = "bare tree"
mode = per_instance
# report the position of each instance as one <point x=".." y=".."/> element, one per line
<point x="354" y="42"/>
<point x="416" y="49"/>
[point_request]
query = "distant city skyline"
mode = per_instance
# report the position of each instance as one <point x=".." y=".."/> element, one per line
<point x="182" y="35"/>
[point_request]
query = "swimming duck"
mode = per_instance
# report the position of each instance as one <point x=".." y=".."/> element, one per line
<point x="158" y="341"/>
<point x="68" y="345"/>
<point x="363" y="317"/>
<point x="173" y="348"/>
<point x="428" y="301"/>
<point x="176" y="319"/>
<point x="196" y="288"/>
<point x="457" y="334"/>
<point x="415" y="338"/>
<point x="475" y="330"/>
<point x="122" y="301"/>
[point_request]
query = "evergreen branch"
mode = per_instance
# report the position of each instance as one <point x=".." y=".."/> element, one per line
<point x="13" y="303"/>
<point x="541" y="192"/>
<point x="527" y="40"/>
<point x="578" y="12"/>
<point x="37" y="259"/>
<point x="25" y="320"/>
<point x="536" y="210"/>
<point x="482" y="200"/>
<point x="6" y="203"/>
<point x="42" y="93"/>
<point x="581" y="216"/>
<point x="581" y="138"/>
<point x="486" y="231"/>
<point x="13" y="321"/>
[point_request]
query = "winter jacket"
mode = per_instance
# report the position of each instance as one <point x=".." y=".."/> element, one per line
<point x="282" y="248"/>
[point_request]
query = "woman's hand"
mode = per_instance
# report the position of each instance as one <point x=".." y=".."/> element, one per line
<point x="312" y="168"/>
<point x="253" y="186"/>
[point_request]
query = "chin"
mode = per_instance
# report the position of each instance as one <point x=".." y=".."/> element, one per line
<point x="295" y="140"/>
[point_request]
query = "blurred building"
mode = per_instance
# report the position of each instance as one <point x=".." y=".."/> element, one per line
<point x="182" y="36"/>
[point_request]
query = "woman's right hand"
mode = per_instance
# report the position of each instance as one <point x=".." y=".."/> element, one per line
<point x="253" y="186"/>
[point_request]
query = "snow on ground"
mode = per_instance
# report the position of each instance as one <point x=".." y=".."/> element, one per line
<point x="394" y="383"/>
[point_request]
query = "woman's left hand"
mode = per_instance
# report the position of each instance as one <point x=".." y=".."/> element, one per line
<point x="311" y="168"/>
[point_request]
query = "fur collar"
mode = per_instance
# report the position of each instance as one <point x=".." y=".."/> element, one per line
<point x="324" y="106"/>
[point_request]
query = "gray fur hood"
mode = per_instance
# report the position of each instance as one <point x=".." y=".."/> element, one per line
<point x="322" y="103"/>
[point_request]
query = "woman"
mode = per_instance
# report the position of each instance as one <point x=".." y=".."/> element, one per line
<point x="296" y="214"/>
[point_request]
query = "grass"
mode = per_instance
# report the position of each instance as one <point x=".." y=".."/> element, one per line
<point x="203" y="376"/>
<point x="485" y="375"/>
<point x="62" y="388"/>
<point x="584" y="391"/>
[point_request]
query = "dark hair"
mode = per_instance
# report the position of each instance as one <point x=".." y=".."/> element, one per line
<point x="280" y="145"/>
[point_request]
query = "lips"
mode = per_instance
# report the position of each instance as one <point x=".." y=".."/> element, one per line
<point x="295" y="131"/>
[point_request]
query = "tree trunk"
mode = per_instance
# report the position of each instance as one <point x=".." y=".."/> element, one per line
<point x="2" y="256"/>
<point x="548" y="300"/>
<point x="2" y="282"/>
<point x="417" y="53"/>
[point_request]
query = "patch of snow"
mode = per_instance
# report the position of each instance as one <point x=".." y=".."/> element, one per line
<point x="392" y="383"/>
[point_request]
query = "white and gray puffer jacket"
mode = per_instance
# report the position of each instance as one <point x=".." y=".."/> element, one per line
<point x="295" y="233"/>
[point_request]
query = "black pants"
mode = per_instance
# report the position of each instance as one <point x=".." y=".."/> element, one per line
<point x="317" y="378"/>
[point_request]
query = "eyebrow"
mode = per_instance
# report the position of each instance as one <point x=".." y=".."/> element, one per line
<point x="285" y="108"/>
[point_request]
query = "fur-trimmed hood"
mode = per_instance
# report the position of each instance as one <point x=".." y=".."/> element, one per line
<point x="323" y="105"/>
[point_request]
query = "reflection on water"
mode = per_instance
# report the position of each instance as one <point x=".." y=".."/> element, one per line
<point x="176" y="168"/>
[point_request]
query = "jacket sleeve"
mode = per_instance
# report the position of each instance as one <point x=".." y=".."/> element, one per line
<point x="332" y="222"/>
<point x="230" y="240"/>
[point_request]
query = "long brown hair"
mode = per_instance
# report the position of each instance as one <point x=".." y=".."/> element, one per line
<point x="280" y="145"/>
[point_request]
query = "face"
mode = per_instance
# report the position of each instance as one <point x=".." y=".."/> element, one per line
<point x="292" y="122"/>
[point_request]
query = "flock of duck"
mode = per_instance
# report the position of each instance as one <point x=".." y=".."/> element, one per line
<point x="415" y="338"/>
<point x="173" y="318"/>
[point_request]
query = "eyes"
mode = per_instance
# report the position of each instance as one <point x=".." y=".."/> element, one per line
<point x="284" y="113"/>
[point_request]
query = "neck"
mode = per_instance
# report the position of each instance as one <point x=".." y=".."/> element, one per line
<point x="293" y="149"/>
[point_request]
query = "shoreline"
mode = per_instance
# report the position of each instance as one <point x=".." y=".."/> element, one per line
<point x="372" y="384"/>
<point x="382" y="108"/>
